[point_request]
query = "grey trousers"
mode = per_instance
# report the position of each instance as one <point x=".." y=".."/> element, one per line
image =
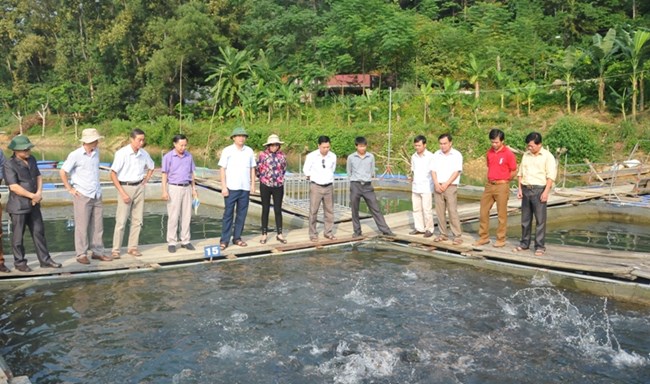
<point x="134" y="210"/>
<point x="317" y="195"/>
<point x="366" y="190"/>
<point x="532" y="206"/>
<point x="448" y="202"/>
<point x="88" y="222"/>
<point x="179" y="208"/>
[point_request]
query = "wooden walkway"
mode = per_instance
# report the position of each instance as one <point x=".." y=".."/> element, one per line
<point x="617" y="266"/>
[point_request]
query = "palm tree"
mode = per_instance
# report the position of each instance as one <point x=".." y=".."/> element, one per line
<point x="602" y="51"/>
<point x="632" y="46"/>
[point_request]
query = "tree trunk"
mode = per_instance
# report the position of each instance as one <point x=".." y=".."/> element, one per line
<point x="641" y="89"/>
<point x="601" y="94"/>
<point x="634" y="91"/>
<point x="476" y="90"/>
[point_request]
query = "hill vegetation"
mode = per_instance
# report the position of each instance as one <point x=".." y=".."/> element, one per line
<point x="574" y="70"/>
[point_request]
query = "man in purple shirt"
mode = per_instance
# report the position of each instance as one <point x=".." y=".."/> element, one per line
<point x="178" y="189"/>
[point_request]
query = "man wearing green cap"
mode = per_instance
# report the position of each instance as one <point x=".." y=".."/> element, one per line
<point x="25" y="195"/>
<point x="237" y="164"/>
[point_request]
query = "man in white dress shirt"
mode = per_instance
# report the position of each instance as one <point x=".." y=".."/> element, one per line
<point x="83" y="184"/>
<point x="447" y="167"/>
<point x="421" y="187"/>
<point x="319" y="168"/>
<point x="237" y="171"/>
<point x="131" y="170"/>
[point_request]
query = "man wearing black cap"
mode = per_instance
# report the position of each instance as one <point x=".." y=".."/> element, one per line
<point x="25" y="195"/>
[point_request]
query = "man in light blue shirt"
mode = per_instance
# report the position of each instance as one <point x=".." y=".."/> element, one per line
<point x="82" y="165"/>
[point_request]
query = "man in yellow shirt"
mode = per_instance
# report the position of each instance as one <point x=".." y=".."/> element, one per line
<point x="537" y="173"/>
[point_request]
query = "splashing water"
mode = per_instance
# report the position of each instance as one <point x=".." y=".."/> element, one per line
<point x="592" y="335"/>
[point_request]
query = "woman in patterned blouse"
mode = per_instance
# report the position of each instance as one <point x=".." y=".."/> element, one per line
<point x="271" y="167"/>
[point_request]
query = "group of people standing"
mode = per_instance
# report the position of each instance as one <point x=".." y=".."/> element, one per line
<point x="438" y="174"/>
<point x="434" y="177"/>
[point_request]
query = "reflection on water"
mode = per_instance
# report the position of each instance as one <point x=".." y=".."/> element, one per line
<point x="343" y="316"/>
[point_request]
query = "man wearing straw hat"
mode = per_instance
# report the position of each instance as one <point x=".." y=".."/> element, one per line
<point x="24" y="205"/>
<point x="237" y="171"/>
<point x="131" y="170"/>
<point x="82" y="165"/>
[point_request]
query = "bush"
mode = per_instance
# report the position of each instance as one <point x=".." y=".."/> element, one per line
<point x="580" y="138"/>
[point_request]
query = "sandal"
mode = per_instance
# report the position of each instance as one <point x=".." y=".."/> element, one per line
<point x="223" y="246"/>
<point x="457" y="241"/>
<point x="280" y="239"/>
<point x="263" y="239"/>
<point x="331" y="237"/>
<point x="540" y="252"/>
<point x="240" y="243"/>
<point x="519" y="249"/>
<point x="440" y="238"/>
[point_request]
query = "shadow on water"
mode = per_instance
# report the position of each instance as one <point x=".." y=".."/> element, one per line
<point x="354" y="315"/>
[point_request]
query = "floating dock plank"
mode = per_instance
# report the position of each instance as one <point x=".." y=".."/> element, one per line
<point x="612" y="264"/>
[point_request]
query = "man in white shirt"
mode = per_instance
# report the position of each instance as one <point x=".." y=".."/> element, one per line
<point x="237" y="171"/>
<point x="319" y="168"/>
<point x="421" y="187"/>
<point x="83" y="184"/>
<point x="131" y="170"/>
<point x="447" y="167"/>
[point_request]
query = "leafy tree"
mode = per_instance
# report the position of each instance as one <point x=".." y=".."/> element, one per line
<point x="631" y="44"/>
<point x="427" y="92"/>
<point x="450" y="95"/>
<point x="475" y="71"/>
<point x="601" y="52"/>
<point x="230" y="75"/>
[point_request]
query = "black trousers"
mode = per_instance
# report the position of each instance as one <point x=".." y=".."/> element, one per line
<point x="532" y="206"/>
<point x="33" y="221"/>
<point x="367" y="191"/>
<point x="266" y="193"/>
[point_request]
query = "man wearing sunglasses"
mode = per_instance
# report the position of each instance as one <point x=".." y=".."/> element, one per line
<point x="319" y="168"/>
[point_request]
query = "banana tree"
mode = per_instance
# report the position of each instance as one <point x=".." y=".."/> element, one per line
<point x="426" y="91"/>
<point x="631" y="45"/>
<point x="475" y="71"/>
<point x="602" y="51"/>
<point x="450" y="95"/>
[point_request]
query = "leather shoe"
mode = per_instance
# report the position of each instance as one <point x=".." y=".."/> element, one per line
<point x="51" y="264"/>
<point x="388" y="234"/>
<point x="23" y="268"/>
<point x="83" y="259"/>
<point x="134" y="252"/>
<point x="101" y="257"/>
<point x="428" y="234"/>
<point x="188" y="246"/>
<point x="171" y="248"/>
<point x="3" y="268"/>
